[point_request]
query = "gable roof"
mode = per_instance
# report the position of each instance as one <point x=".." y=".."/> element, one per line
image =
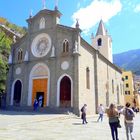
<point x="45" y="11"/>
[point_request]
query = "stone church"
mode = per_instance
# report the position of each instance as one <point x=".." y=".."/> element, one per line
<point x="55" y="62"/>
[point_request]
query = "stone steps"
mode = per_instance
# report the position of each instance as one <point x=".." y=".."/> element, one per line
<point x="45" y="110"/>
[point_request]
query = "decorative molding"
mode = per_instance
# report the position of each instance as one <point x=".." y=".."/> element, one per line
<point x="26" y="57"/>
<point x="53" y="52"/>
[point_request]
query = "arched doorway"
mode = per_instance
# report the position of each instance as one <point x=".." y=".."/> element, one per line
<point x="65" y="92"/>
<point x="17" y="93"/>
<point x="39" y="84"/>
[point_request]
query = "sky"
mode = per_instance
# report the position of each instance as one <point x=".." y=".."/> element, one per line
<point x="121" y="17"/>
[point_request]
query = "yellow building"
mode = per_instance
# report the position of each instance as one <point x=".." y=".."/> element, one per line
<point x="128" y="87"/>
<point x="137" y="91"/>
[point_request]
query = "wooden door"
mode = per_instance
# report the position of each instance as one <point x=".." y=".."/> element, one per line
<point x="65" y="92"/>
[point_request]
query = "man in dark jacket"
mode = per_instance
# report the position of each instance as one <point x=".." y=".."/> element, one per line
<point x="83" y="115"/>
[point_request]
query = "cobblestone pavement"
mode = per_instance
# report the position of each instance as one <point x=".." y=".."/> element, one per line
<point x="31" y="126"/>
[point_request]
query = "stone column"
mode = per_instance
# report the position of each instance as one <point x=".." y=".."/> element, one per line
<point x="96" y="79"/>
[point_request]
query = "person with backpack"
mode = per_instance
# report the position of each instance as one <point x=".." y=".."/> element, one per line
<point x="128" y="121"/>
<point x="83" y="115"/>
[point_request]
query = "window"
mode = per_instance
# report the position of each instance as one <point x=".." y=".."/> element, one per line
<point x="127" y="85"/>
<point x="99" y="41"/>
<point x="87" y="78"/>
<point x="127" y="92"/>
<point x="20" y="55"/>
<point x="126" y="77"/>
<point x="112" y="86"/>
<point x="42" y="23"/>
<point x="65" y="46"/>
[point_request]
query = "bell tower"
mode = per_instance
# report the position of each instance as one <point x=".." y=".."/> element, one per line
<point x="103" y="42"/>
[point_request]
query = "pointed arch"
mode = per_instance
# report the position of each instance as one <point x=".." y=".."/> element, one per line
<point x="65" y="46"/>
<point x="16" y="92"/>
<point x="20" y="55"/>
<point x="39" y="73"/>
<point x="64" y="78"/>
<point x="42" y="23"/>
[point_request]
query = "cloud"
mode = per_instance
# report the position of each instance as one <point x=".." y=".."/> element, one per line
<point x="98" y="9"/>
<point x="137" y="8"/>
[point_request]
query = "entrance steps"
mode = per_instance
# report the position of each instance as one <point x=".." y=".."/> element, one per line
<point x="45" y="110"/>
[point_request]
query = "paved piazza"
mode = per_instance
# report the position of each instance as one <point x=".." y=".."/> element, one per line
<point x="35" y="126"/>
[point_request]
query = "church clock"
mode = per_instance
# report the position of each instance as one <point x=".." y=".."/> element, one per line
<point x="41" y="45"/>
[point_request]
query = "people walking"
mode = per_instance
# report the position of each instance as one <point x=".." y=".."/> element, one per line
<point x="128" y="121"/>
<point x="100" y="112"/>
<point x="40" y="100"/>
<point x="83" y="115"/>
<point x="35" y="104"/>
<point x="113" y="114"/>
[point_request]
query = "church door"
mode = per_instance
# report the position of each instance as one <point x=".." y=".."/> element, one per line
<point x="40" y="90"/>
<point x="17" y="92"/>
<point x="65" y="92"/>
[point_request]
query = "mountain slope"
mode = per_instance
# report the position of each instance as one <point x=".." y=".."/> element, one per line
<point x="128" y="60"/>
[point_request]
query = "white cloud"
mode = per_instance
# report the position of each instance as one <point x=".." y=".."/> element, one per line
<point x="98" y="9"/>
<point x="137" y="8"/>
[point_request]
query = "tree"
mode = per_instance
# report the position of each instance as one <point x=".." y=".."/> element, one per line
<point x="5" y="46"/>
<point x="5" y="43"/>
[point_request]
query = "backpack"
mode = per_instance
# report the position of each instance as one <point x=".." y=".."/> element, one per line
<point x="82" y="109"/>
<point x="128" y="114"/>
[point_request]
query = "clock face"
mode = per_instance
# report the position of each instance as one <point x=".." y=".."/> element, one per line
<point x="41" y="45"/>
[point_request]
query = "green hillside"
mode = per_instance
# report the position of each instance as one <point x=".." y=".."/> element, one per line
<point x="5" y="43"/>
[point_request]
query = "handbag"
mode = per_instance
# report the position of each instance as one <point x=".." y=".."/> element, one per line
<point x="118" y="123"/>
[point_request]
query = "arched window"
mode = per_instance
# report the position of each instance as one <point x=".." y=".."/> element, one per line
<point x="112" y="86"/>
<point x="20" y="55"/>
<point x="42" y="23"/>
<point x="87" y="78"/>
<point x="99" y="41"/>
<point x="65" y="46"/>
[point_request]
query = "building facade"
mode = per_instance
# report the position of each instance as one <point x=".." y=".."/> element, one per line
<point x="136" y="79"/>
<point x="128" y="87"/>
<point x="55" y="62"/>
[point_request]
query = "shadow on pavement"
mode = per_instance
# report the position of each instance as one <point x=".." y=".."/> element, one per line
<point x="77" y="124"/>
<point x="7" y="112"/>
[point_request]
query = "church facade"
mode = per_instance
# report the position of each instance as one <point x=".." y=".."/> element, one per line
<point x="55" y="62"/>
